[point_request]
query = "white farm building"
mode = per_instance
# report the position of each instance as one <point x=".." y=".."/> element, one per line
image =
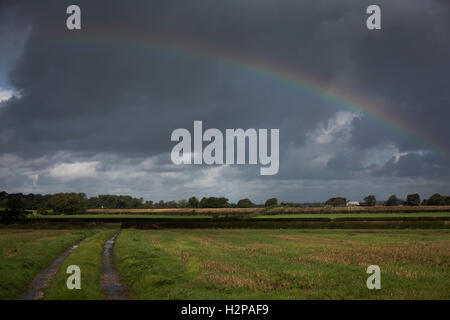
<point x="353" y="204"/>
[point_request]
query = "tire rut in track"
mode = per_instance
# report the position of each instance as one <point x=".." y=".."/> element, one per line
<point x="110" y="282"/>
<point x="42" y="280"/>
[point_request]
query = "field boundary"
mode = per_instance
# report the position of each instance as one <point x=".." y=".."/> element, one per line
<point x="255" y="223"/>
<point x="274" y="210"/>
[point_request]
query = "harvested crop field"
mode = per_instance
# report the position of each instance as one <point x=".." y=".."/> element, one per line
<point x="283" y="264"/>
<point x="262" y="216"/>
<point x="274" y="210"/>
<point x="230" y="263"/>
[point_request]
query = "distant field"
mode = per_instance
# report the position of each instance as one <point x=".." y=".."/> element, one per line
<point x="119" y="216"/>
<point x="271" y="216"/>
<point x="357" y="215"/>
<point x="393" y="220"/>
<point x="276" y="210"/>
<point x="283" y="264"/>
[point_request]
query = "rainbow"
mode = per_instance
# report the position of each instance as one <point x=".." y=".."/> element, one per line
<point x="288" y="75"/>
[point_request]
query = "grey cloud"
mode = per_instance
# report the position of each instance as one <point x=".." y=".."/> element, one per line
<point x="413" y="165"/>
<point x="118" y="101"/>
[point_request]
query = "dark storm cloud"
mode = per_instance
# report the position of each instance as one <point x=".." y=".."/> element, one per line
<point x="345" y="163"/>
<point x="100" y="97"/>
<point x="408" y="66"/>
<point x="369" y="134"/>
<point x="424" y="165"/>
<point x="13" y="31"/>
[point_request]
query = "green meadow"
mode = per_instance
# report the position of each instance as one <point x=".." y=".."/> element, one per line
<point x="88" y="257"/>
<point x="283" y="264"/>
<point x="234" y="263"/>
<point x="25" y="252"/>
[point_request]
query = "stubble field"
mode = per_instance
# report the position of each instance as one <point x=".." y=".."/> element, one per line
<point x="283" y="264"/>
<point x="234" y="263"/>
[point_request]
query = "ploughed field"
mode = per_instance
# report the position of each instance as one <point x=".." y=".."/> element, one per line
<point x="233" y="263"/>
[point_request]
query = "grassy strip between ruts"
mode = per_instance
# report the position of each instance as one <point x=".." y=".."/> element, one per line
<point x="26" y="252"/>
<point x="88" y="256"/>
<point x="149" y="272"/>
<point x="283" y="264"/>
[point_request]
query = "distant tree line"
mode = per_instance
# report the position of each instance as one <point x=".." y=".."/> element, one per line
<point x="14" y="205"/>
<point x="437" y="200"/>
<point x="411" y="200"/>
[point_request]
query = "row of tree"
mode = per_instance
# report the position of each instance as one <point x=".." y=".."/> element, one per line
<point x="371" y="201"/>
<point x="77" y="203"/>
<point x="411" y="200"/>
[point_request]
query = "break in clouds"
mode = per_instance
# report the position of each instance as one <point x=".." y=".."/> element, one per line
<point x="93" y="110"/>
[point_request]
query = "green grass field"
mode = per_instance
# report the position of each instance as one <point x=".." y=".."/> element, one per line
<point x="235" y="263"/>
<point x="88" y="257"/>
<point x="26" y="252"/>
<point x="283" y="264"/>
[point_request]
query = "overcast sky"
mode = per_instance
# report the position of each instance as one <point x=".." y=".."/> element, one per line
<point x="93" y="110"/>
